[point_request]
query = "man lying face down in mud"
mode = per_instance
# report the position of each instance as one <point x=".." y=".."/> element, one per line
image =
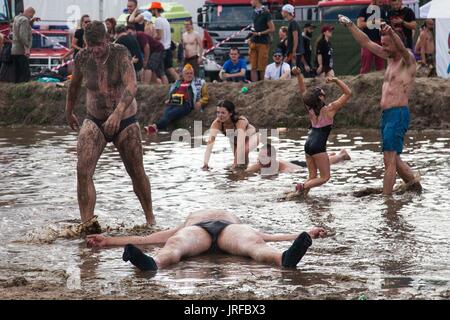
<point x="269" y="164"/>
<point x="111" y="86"/>
<point x="213" y="231"/>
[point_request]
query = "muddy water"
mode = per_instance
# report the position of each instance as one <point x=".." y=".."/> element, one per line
<point x="379" y="247"/>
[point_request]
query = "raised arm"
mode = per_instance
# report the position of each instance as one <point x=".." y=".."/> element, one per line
<point x="362" y="38"/>
<point x="343" y="99"/>
<point x="407" y="56"/>
<point x="301" y="80"/>
<point x="135" y="17"/>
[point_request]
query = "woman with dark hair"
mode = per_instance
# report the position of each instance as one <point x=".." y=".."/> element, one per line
<point x="242" y="134"/>
<point x="111" y="24"/>
<point x="321" y="116"/>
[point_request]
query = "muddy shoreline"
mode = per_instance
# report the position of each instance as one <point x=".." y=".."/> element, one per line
<point x="267" y="104"/>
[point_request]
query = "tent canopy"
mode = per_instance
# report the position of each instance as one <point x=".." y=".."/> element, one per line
<point x="439" y="9"/>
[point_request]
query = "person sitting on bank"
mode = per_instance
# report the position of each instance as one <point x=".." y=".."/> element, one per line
<point x="268" y="163"/>
<point x="211" y="231"/>
<point x="278" y="70"/>
<point x="235" y="68"/>
<point x="184" y="95"/>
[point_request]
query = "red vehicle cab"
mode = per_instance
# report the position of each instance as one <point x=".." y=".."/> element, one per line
<point x="46" y="53"/>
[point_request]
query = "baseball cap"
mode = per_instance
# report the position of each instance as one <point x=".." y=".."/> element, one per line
<point x="278" y="51"/>
<point x="309" y="25"/>
<point x="147" y="16"/>
<point x="289" y="8"/>
<point x="326" y="28"/>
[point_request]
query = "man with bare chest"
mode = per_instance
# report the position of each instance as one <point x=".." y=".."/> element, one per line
<point x="110" y="80"/>
<point x="397" y="86"/>
<point x="192" y="45"/>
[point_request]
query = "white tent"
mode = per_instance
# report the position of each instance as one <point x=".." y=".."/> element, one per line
<point x="440" y="10"/>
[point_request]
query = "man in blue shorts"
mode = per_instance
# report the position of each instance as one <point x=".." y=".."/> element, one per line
<point x="397" y="85"/>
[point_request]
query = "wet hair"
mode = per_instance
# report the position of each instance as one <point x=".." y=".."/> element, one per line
<point x="95" y="33"/>
<point x="312" y="100"/>
<point x="227" y="104"/>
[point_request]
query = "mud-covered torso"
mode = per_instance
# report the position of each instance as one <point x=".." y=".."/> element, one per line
<point x="103" y="78"/>
<point x="397" y="85"/>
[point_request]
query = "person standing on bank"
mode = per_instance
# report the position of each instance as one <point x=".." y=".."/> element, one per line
<point x="259" y="43"/>
<point x="163" y="34"/>
<point x="403" y="21"/>
<point x="21" y="46"/>
<point x="324" y="52"/>
<point x="370" y="25"/>
<point x="306" y="66"/>
<point x="294" y="45"/>
<point x="78" y="38"/>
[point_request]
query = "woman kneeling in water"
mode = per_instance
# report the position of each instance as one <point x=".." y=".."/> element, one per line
<point x="321" y="116"/>
<point x="242" y="134"/>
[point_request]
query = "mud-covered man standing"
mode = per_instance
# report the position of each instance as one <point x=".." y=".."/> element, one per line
<point x="110" y="80"/>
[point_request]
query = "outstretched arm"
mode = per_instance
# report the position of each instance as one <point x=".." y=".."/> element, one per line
<point x="314" y="233"/>
<point x="362" y="38"/>
<point x="98" y="240"/>
<point x="209" y="147"/>
<point x="342" y="101"/>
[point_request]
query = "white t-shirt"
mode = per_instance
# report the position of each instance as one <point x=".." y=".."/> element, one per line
<point x="274" y="73"/>
<point x="162" y="24"/>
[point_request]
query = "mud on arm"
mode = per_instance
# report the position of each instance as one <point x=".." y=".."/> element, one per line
<point x="72" y="94"/>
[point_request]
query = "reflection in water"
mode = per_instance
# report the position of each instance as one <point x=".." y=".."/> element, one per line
<point x="382" y="247"/>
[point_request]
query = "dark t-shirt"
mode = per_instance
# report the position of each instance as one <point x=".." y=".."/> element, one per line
<point x="307" y="48"/>
<point x="282" y="45"/>
<point x="144" y="39"/>
<point x="407" y="15"/>
<point x="137" y="26"/>
<point x="260" y="23"/>
<point x="132" y="45"/>
<point x="373" y="34"/>
<point x="324" y="49"/>
<point x="79" y="35"/>
<point x="294" y="26"/>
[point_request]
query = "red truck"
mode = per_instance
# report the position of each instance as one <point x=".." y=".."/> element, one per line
<point x="222" y="18"/>
<point x="49" y="48"/>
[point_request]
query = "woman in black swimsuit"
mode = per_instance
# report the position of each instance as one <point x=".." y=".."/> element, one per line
<point x="242" y="134"/>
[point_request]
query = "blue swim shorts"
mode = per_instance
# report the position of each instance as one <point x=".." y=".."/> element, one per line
<point x="394" y="124"/>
